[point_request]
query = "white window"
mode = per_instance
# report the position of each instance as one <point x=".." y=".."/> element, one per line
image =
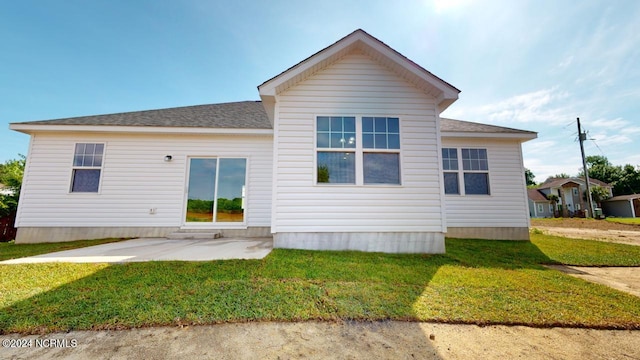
<point x="540" y="208"/>
<point x="578" y="207"/>
<point x="575" y="191"/>
<point x="87" y="168"/>
<point x="475" y="171"/>
<point x="336" y="162"/>
<point x="551" y="208"/>
<point x="338" y="151"/>
<point x="381" y="154"/>
<point x="450" y="167"/>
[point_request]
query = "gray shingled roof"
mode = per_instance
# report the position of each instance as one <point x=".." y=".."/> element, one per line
<point x="624" y="197"/>
<point x="451" y="125"/>
<point x="236" y="115"/>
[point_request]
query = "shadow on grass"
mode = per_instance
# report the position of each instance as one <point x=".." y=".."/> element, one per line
<point x="476" y="282"/>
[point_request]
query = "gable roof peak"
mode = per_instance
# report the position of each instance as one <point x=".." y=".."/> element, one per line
<point x="359" y="39"/>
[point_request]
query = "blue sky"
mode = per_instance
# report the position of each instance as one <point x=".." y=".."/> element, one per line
<point x="534" y="65"/>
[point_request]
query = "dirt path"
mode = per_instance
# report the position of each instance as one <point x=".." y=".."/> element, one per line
<point x="591" y="229"/>
<point x="610" y="235"/>
<point x="625" y="279"/>
<point x="351" y="340"/>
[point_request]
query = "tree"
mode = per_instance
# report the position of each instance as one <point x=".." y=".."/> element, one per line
<point x="625" y="179"/>
<point x="598" y="194"/>
<point x="11" y="173"/>
<point x="529" y="177"/>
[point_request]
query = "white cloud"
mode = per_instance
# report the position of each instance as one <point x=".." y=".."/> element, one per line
<point x="565" y="62"/>
<point x="632" y="130"/>
<point x="616" y="123"/>
<point x="543" y="167"/>
<point x="540" y="147"/>
<point x="546" y="106"/>
<point x="631" y="159"/>
<point x="603" y="139"/>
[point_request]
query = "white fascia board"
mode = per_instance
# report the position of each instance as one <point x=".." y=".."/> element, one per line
<point x="523" y="137"/>
<point x="29" y="128"/>
<point x="448" y="91"/>
<point x="269" y="88"/>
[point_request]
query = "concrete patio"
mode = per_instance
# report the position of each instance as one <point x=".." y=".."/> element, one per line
<point x="147" y="249"/>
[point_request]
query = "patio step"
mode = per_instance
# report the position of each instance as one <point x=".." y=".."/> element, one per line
<point x="194" y="235"/>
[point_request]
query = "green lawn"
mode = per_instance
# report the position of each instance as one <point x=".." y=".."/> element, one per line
<point x="476" y="282"/>
<point x="586" y="253"/>
<point x="632" y="221"/>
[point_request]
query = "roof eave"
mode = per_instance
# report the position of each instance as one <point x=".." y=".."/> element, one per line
<point x="32" y="128"/>
<point x="447" y="92"/>
<point x="525" y="136"/>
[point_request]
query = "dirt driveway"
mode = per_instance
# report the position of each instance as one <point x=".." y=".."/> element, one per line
<point x="600" y="230"/>
<point x="346" y="340"/>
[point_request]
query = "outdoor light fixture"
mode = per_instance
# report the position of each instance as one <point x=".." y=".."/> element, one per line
<point x="168" y="158"/>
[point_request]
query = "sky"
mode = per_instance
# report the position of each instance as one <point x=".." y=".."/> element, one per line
<point x="533" y="65"/>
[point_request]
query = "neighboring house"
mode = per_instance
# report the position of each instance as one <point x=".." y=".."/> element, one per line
<point x="346" y="150"/>
<point x="570" y="192"/>
<point x="539" y="205"/>
<point x="627" y="206"/>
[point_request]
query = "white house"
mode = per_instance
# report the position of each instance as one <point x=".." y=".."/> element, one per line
<point x="346" y="150"/>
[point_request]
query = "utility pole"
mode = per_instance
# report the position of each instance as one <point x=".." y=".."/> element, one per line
<point x="582" y="137"/>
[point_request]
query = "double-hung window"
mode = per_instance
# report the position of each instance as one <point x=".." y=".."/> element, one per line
<point x="450" y="167"/>
<point x="336" y="143"/>
<point x="358" y="150"/>
<point x="381" y="150"/>
<point x="475" y="171"/>
<point x="87" y="166"/>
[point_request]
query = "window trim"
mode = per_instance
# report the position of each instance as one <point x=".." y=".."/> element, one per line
<point x="358" y="151"/>
<point x="75" y="167"/>
<point x="462" y="191"/>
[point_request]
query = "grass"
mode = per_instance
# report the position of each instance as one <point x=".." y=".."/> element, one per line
<point x="586" y="252"/>
<point x="477" y="282"/>
<point x="629" y="221"/>
<point x="10" y="250"/>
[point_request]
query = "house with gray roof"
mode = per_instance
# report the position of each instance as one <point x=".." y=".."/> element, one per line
<point x="571" y="197"/>
<point x="345" y="150"/>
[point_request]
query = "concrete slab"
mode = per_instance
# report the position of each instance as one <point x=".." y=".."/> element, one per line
<point x="159" y="250"/>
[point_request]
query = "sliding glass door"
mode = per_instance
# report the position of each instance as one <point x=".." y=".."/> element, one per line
<point x="216" y="190"/>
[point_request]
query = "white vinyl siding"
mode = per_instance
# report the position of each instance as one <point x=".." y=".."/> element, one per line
<point x="506" y="206"/>
<point x="356" y="86"/>
<point x="135" y="179"/>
